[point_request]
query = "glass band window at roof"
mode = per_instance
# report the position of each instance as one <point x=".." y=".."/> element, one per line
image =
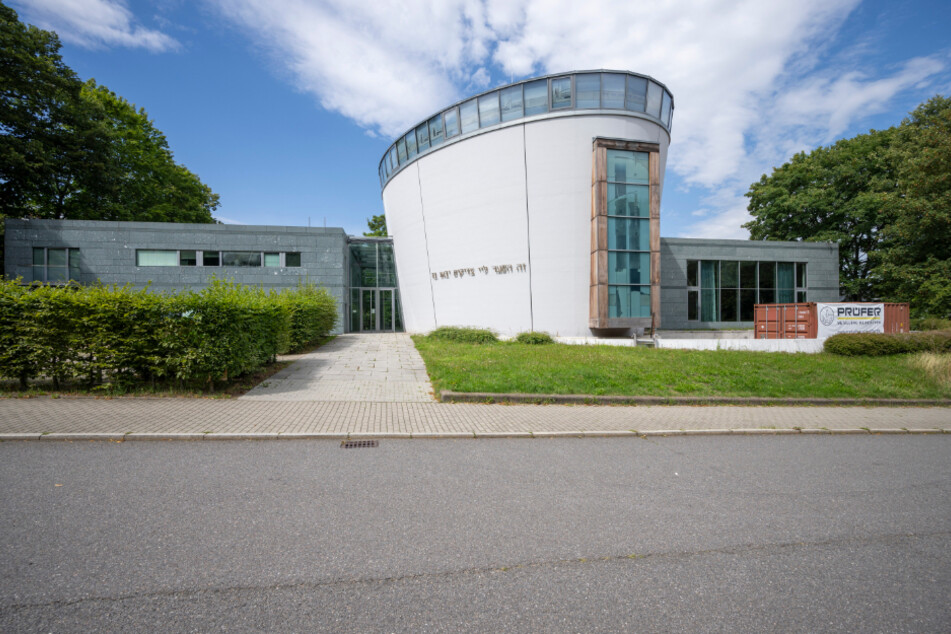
<point x="584" y="92"/>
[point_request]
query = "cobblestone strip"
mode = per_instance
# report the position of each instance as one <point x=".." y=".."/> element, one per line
<point x="200" y="416"/>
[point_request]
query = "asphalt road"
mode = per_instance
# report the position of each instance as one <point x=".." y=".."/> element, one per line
<point x="810" y="533"/>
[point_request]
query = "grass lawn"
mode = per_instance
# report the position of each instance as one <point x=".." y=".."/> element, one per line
<point x="611" y="370"/>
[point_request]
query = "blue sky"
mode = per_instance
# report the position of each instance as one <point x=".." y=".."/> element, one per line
<point x="284" y="107"/>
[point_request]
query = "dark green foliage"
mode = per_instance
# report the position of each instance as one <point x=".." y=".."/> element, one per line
<point x="871" y="344"/>
<point x="534" y="338"/>
<point x="463" y="335"/>
<point x="376" y="226"/>
<point x="930" y="323"/>
<point x="133" y="336"/>
<point x="884" y="198"/>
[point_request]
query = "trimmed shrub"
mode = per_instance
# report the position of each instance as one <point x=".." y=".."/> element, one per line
<point x="134" y="336"/>
<point x="534" y="338"/>
<point x="870" y="344"/>
<point x="463" y="335"/>
<point x="930" y="323"/>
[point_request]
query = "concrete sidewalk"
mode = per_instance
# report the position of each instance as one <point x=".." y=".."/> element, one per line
<point x="138" y="417"/>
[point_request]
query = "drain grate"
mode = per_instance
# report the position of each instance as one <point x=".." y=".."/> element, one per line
<point x="359" y="444"/>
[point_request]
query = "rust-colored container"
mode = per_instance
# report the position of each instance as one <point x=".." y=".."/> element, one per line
<point x="785" y="321"/>
<point x="799" y="321"/>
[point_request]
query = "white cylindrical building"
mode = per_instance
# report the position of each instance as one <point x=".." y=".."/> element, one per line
<point x="534" y="206"/>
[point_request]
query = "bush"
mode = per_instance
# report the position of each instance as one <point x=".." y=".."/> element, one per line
<point x="870" y="344"/>
<point x="463" y="335"/>
<point x="134" y="336"/>
<point x="534" y="338"/>
<point x="930" y="323"/>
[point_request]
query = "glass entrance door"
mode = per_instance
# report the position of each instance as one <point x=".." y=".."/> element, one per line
<point x="374" y="309"/>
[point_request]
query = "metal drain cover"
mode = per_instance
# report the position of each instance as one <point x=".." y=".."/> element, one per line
<point x="359" y="444"/>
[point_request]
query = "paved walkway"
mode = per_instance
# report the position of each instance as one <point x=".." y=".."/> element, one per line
<point x="378" y="367"/>
<point x="269" y="418"/>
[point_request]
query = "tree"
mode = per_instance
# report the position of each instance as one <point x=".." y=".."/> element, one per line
<point x="884" y="197"/>
<point x="377" y="226"/>
<point x="74" y="150"/>
<point x="914" y="263"/>
<point x="832" y="194"/>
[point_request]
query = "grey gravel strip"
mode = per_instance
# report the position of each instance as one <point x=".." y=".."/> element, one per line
<point x="448" y="396"/>
<point x="475" y="435"/>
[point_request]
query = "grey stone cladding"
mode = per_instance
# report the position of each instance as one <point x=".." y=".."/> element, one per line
<point x="107" y="253"/>
<point x="822" y="271"/>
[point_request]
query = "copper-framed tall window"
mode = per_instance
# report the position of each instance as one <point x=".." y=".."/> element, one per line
<point x="625" y="235"/>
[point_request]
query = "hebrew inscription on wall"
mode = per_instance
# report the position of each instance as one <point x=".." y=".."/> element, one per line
<point x="495" y="269"/>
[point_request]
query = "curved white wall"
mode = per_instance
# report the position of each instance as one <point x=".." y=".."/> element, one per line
<point x="517" y="194"/>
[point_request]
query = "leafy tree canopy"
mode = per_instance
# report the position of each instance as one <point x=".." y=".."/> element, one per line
<point x="78" y="151"/>
<point x="883" y="197"/>
<point x="377" y="226"/>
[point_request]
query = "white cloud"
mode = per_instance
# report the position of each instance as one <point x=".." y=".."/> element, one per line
<point x="751" y="79"/>
<point x="94" y="24"/>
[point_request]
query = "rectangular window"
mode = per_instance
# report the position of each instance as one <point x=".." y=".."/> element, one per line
<point x="512" y="107"/>
<point x="693" y="305"/>
<point x="665" y="108"/>
<point x="401" y="151"/>
<point x="391" y="157"/>
<point x="612" y="91"/>
<point x="451" y="118"/>
<point x="653" y="99"/>
<point x="729" y="274"/>
<point x="747" y="302"/>
<point x="488" y="109"/>
<point x="57" y="264"/>
<point x="800" y="274"/>
<point x="748" y="275"/>
<point x="410" y="139"/>
<point x="729" y="299"/>
<point x="635" y="95"/>
<point x="561" y="93"/>
<point x="588" y="91"/>
<point x="785" y="279"/>
<point x="272" y="259"/>
<point x="187" y="258"/>
<point x="629" y="200"/>
<point x="536" y="97"/>
<point x="241" y="258"/>
<point x="767" y="276"/>
<point x="693" y="274"/>
<point x="628" y="234"/>
<point x="292" y="259"/>
<point x="628" y="167"/>
<point x="435" y="130"/>
<point x="422" y="137"/>
<point x="469" y="115"/>
<point x="155" y="257"/>
<point x="211" y="258"/>
<point x="629" y="301"/>
<point x="709" y="283"/>
<point x="628" y="268"/>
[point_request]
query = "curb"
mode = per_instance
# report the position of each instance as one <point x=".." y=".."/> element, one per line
<point x="753" y="401"/>
<point x="472" y="435"/>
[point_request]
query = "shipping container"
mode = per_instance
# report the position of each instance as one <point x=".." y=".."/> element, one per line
<point x="801" y="320"/>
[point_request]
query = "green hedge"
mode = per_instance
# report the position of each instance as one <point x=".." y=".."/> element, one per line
<point x="463" y="335"/>
<point x="134" y="336"/>
<point x="879" y="344"/>
<point x="930" y="323"/>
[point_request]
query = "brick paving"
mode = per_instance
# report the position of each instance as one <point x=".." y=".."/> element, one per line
<point x="200" y="416"/>
<point x="378" y="367"/>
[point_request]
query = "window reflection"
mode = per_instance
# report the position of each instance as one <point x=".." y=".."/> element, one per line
<point x="561" y="93"/>
<point x="512" y="103"/>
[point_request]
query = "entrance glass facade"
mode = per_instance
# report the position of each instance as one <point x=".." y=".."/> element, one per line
<point x="374" y="296"/>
